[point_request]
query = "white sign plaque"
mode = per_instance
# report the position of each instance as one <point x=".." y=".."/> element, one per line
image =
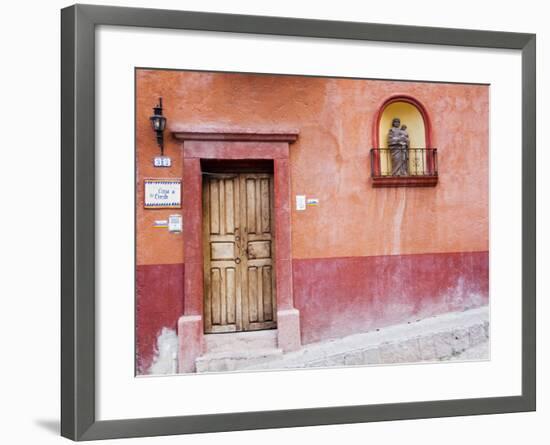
<point x="162" y="193"/>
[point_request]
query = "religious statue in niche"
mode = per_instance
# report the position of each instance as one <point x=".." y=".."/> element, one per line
<point x="399" y="144"/>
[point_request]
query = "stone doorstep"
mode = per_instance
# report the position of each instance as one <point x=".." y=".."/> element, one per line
<point x="233" y="360"/>
<point x="239" y="341"/>
<point x="231" y="351"/>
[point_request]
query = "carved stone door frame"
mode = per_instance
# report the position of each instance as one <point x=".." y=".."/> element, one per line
<point x="233" y="145"/>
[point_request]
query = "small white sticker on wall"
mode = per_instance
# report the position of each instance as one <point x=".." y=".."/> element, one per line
<point x="174" y="223"/>
<point x="300" y="202"/>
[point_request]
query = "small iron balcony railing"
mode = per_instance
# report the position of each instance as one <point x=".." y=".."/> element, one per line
<point x="406" y="162"/>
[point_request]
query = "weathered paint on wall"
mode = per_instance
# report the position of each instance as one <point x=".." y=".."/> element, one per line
<point x="343" y="296"/>
<point x="159" y="303"/>
<point x="165" y="360"/>
<point x="330" y="161"/>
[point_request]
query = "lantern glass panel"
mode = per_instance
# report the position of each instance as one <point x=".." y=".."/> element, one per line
<point x="161" y="123"/>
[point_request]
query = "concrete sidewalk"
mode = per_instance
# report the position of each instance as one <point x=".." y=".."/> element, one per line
<point x="442" y="337"/>
<point x="452" y="336"/>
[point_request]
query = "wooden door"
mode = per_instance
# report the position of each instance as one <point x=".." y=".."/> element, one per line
<point x="239" y="281"/>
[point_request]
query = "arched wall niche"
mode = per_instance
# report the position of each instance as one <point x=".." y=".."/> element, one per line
<point x="422" y="163"/>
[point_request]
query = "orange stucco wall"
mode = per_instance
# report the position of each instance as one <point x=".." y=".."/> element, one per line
<point x="330" y="160"/>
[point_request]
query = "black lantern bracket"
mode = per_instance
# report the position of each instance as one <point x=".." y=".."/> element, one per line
<point x="158" y="122"/>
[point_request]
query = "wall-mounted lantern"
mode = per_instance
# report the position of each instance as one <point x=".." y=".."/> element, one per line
<point x="158" y="121"/>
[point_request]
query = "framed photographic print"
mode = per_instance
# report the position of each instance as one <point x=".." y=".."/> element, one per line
<point x="272" y="222"/>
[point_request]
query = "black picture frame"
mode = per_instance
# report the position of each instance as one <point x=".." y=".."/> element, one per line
<point x="78" y="23"/>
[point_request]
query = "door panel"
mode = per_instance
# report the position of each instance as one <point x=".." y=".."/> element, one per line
<point x="239" y="290"/>
<point x="222" y="312"/>
<point x="258" y="282"/>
